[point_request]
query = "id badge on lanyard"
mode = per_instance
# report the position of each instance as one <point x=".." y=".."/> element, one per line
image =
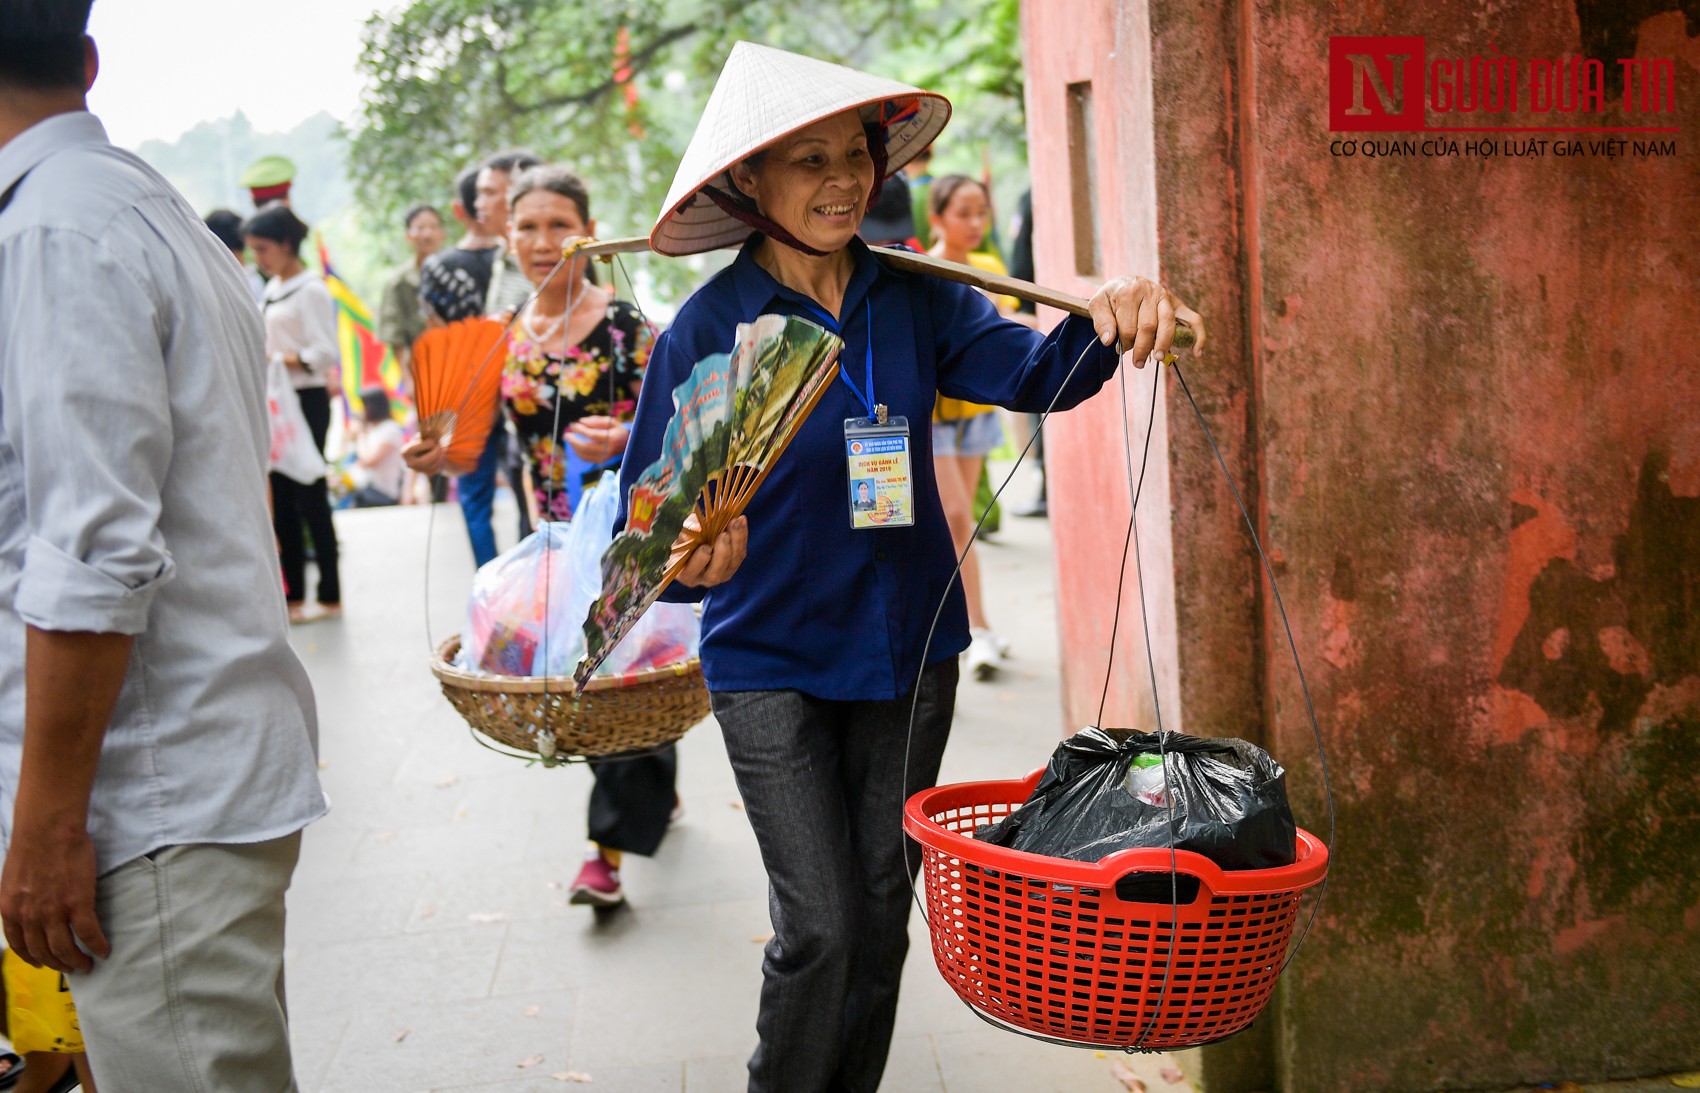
<point x="876" y="449"/>
<point x="882" y="490"/>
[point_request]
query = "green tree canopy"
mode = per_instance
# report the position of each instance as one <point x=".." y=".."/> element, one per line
<point x="452" y="81"/>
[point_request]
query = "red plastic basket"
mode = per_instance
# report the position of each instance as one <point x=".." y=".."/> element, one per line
<point x="1047" y="945"/>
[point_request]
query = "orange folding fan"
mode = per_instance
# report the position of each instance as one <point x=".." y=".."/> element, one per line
<point x="457" y="380"/>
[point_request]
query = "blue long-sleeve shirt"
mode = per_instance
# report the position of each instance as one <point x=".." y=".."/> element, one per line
<point x="817" y="606"/>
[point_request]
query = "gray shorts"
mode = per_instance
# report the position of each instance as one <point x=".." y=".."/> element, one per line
<point x="969" y="436"/>
<point x="192" y="996"/>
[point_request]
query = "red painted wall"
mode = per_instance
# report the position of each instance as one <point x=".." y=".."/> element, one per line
<point x="1093" y="498"/>
<point x="1464" y="397"/>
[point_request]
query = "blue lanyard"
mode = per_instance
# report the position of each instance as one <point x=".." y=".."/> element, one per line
<point x="866" y="398"/>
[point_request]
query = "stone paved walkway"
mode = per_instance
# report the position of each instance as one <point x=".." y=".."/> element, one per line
<point x="430" y="945"/>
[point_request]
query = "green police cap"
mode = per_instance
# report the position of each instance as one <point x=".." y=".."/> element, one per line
<point x="268" y="173"/>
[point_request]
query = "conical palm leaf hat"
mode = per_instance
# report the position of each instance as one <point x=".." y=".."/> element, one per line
<point x="763" y="95"/>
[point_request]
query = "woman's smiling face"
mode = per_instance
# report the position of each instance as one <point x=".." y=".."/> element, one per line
<point x="815" y="182"/>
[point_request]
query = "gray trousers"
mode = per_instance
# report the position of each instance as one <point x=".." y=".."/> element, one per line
<point x="823" y="787"/>
<point x="191" y="999"/>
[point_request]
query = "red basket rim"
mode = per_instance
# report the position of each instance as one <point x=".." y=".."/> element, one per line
<point x="1309" y="869"/>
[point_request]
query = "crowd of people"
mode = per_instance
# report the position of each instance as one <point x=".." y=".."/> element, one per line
<point x="158" y="734"/>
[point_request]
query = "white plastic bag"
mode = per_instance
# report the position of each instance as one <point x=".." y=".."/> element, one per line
<point x="516" y="618"/>
<point x="527" y="610"/>
<point x="293" y="453"/>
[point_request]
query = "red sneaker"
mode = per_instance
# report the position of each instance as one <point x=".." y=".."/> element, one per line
<point x="597" y="884"/>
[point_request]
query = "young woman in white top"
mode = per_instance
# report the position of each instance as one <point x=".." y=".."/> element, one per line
<point x="301" y="332"/>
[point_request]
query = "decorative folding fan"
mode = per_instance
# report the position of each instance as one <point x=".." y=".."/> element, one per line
<point x="457" y="379"/>
<point x="732" y="418"/>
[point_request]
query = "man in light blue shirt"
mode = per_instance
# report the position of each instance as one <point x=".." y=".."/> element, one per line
<point x="157" y="734"/>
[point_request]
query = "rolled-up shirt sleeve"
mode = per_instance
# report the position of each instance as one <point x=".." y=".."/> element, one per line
<point x="84" y="405"/>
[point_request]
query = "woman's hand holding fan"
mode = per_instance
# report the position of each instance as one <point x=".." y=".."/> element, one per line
<point x="425" y="455"/>
<point x="710" y="563"/>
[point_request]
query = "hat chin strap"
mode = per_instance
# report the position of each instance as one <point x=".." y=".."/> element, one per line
<point x="749" y="216"/>
<point x="760" y="223"/>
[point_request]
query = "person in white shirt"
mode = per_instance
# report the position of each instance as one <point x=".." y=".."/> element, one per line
<point x="157" y="735"/>
<point x="301" y="333"/>
<point x="380" y="474"/>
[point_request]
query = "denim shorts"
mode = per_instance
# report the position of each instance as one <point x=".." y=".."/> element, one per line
<point x="968" y="436"/>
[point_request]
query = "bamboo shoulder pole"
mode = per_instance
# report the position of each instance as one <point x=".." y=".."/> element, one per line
<point x="913" y="262"/>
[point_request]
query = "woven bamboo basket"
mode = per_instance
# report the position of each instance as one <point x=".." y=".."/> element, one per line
<point x="614" y="716"/>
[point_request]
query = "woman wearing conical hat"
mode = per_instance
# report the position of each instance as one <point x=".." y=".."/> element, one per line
<point x="816" y="609"/>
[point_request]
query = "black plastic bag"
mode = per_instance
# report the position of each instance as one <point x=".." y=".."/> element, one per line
<point x="1228" y="798"/>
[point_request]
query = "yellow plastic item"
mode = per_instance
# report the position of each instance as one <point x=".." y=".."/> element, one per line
<point x="39" y="1010"/>
<point x="1687" y="1081"/>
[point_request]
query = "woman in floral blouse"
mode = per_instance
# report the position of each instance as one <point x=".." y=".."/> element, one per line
<point x="576" y="357"/>
<point x="576" y="354"/>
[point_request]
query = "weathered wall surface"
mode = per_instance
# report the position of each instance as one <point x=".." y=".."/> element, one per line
<point x="1106" y="46"/>
<point x="1464" y="396"/>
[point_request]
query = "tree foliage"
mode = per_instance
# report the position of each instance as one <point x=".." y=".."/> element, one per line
<point x="451" y="81"/>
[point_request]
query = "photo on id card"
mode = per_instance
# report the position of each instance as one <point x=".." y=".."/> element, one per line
<point x="882" y="491"/>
